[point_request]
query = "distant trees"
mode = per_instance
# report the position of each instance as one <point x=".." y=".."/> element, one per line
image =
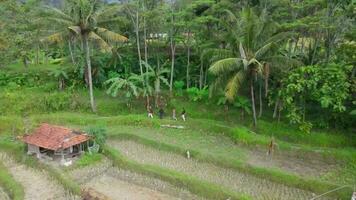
<point x="83" y="19"/>
<point x="243" y="48"/>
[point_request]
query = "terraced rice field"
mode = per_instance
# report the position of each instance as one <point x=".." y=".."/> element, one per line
<point x="260" y="189"/>
<point x="124" y="185"/>
<point x="3" y="195"/>
<point x="295" y="163"/>
<point x="37" y="184"/>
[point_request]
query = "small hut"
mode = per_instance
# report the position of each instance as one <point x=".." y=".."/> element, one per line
<point x="56" y="142"/>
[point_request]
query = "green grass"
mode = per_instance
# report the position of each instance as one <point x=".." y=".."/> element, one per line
<point x="196" y="186"/>
<point x="278" y="176"/>
<point x="38" y="68"/>
<point x="12" y="188"/>
<point x="88" y="159"/>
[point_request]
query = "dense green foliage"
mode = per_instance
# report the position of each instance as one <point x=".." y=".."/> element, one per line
<point x="245" y="70"/>
<point x="297" y="58"/>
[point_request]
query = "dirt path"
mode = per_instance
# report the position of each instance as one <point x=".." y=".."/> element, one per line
<point x="239" y="182"/>
<point x="124" y="185"/>
<point x="37" y="184"/>
<point x="3" y="195"/>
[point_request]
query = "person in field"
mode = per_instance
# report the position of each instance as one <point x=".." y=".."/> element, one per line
<point x="183" y="115"/>
<point x="150" y="112"/>
<point x="161" y="113"/>
<point x="174" y="114"/>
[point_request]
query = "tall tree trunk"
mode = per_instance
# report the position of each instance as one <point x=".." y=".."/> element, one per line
<point x="253" y="103"/>
<point x="205" y="77"/>
<point x="201" y="75"/>
<point x="145" y="43"/>
<point x="138" y="44"/>
<point x="157" y="85"/>
<point x="276" y="106"/>
<point x="260" y="98"/>
<point x="71" y="51"/>
<point x="188" y="65"/>
<point x="88" y="61"/>
<point x="173" y="49"/>
<point x="24" y="60"/>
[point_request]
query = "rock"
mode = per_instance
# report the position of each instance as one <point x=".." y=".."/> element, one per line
<point x="91" y="194"/>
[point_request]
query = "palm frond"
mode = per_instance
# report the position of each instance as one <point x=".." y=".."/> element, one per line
<point x="214" y="54"/>
<point x="226" y="65"/>
<point x="54" y="38"/>
<point x="233" y="85"/>
<point x="164" y="80"/>
<point x="76" y="29"/>
<point x="104" y="46"/>
<point x="110" y="35"/>
<point x="282" y="63"/>
<point x="59" y="21"/>
<point x="55" y="12"/>
<point x="280" y="37"/>
<point x="263" y="50"/>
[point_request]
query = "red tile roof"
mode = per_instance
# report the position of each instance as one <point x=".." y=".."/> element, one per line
<point x="55" y="137"/>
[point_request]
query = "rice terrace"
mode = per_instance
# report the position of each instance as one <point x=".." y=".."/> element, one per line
<point x="177" y="100"/>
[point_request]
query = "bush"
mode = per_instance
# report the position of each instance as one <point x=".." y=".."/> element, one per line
<point x="88" y="159"/>
<point x="99" y="133"/>
<point x="178" y="86"/>
<point x="195" y="94"/>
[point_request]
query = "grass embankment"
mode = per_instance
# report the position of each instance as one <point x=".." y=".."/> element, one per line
<point x="16" y="150"/>
<point x="197" y="132"/>
<point x="315" y="186"/>
<point x="12" y="188"/>
<point x="196" y="186"/>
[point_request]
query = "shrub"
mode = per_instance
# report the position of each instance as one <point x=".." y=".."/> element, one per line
<point x="99" y="133"/>
<point x="195" y="94"/>
<point x="178" y="86"/>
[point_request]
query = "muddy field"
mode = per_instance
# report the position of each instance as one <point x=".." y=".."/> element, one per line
<point x="37" y="184"/>
<point x="124" y="185"/>
<point x="239" y="182"/>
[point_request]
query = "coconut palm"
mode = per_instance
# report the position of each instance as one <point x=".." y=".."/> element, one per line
<point x="253" y="42"/>
<point x="84" y="20"/>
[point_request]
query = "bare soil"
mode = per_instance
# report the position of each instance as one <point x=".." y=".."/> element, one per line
<point x="120" y="184"/>
<point x="295" y="163"/>
<point x="37" y="184"/>
<point x="258" y="188"/>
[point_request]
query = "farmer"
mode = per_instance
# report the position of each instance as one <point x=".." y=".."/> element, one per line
<point x="174" y="117"/>
<point x="150" y="112"/>
<point x="183" y="114"/>
<point x="161" y="113"/>
<point x="271" y="147"/>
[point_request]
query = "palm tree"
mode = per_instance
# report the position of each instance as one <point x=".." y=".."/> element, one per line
<point x="157" y="75"/>
<point x="61" y="76"/>
<point x="253" y="42"/>
<point x="128" y="84"/>
<point x="84" y="19"/>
